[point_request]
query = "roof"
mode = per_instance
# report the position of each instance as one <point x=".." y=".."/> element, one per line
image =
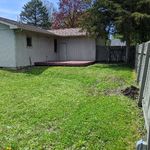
<point x="59" y="32"/>
<point x="17" y="25"/>
<point x="117" y="42"/>
<point x="68" y="32"/>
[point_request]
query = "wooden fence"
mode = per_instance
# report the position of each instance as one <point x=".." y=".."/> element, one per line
<point x="143" y="79"/>
<point x="115" y="54"/>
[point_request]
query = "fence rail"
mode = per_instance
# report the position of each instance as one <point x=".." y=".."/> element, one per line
<point x="143" y="79"/>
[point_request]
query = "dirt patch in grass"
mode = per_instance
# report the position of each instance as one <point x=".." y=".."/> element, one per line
<point x="107" y="92"/>
<point x="131" y="92"/>
<point x="110" y="92"/>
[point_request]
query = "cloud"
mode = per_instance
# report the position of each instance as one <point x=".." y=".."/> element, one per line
<point x="8" y="11"/>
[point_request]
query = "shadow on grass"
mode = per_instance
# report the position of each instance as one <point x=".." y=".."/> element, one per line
<point x="27" y="70"/>
<point x="113" y="66"/>
<point x="37" y="70"/>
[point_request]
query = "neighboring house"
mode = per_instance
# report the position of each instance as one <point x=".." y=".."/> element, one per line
<point x="117" y="42"/>
<point x="22" y="45"/>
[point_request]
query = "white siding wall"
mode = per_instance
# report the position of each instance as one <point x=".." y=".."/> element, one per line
<point x="7" y="47"/>
<point x="79" y="48"/>
<point x="15" y="53"/>
<point x="42" y="49"/>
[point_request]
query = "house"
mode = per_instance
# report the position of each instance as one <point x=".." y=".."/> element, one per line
<point x="117" y="42"/>
<point x="23" y="45"/>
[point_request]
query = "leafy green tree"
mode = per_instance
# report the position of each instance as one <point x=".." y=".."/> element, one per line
<point x="132" y="21"/>
<point x="35" y="13"/>
<point x="141" y="20"/>
<point x="50" y="7"/>
<point x="98" y="20"/>
<point x="129" y="18"/>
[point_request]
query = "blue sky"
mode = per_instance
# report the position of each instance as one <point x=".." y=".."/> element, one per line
<point x="12" y="8"/>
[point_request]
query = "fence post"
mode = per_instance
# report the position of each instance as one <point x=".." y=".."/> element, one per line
<point x="136" y="57"/>
<point x="148" y="139"/>
<point x="108" y="48"/>
<point x="144" y="75"/>
<point x="140" y="65"/>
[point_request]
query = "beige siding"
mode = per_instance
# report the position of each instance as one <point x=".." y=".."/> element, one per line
<point x="42" y="49"/>
<point x="78" y="48"/>
<point x="7" y="47"/>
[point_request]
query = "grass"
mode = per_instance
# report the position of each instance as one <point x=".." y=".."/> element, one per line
<point x="68" y="108"/>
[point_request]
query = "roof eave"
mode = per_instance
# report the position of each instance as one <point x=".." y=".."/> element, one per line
<point x="10" y="25"/>
<point x="38" y="32"/>
<point x="71" y="35"/>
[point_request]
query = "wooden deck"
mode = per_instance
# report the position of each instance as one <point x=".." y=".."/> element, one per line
<point x="65" y="63"/>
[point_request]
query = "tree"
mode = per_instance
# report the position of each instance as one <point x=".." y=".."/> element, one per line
<point x="130" y="19"/>
<point x="98" y="20"/>
<point x="141" y="20"/>
<point x="50" y="8"/>
<point x="69" y="13"/>
<point x="35" y="13"/>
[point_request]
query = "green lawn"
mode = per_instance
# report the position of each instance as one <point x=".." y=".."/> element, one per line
<point x="68" y="108"/>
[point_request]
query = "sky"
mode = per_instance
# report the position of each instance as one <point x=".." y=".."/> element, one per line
<point x="11" y="8"/>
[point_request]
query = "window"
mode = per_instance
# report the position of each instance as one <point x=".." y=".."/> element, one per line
<point x="29" y="42"/>
<point x="55" y="45"/>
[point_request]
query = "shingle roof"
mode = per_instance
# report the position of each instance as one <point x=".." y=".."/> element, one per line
<point x="68" y="32"/>
<point x="24" y="26"/>
<point x="60" y="32"/>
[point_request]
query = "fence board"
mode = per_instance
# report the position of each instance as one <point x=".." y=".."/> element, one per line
<point x="140" y="58"/>
<point x="144" y="71"/>
<point x="102" y="54"/>
<point x="115" y="54"/>
<point x="143" y="78"/>
<point x="136" y="58"/>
